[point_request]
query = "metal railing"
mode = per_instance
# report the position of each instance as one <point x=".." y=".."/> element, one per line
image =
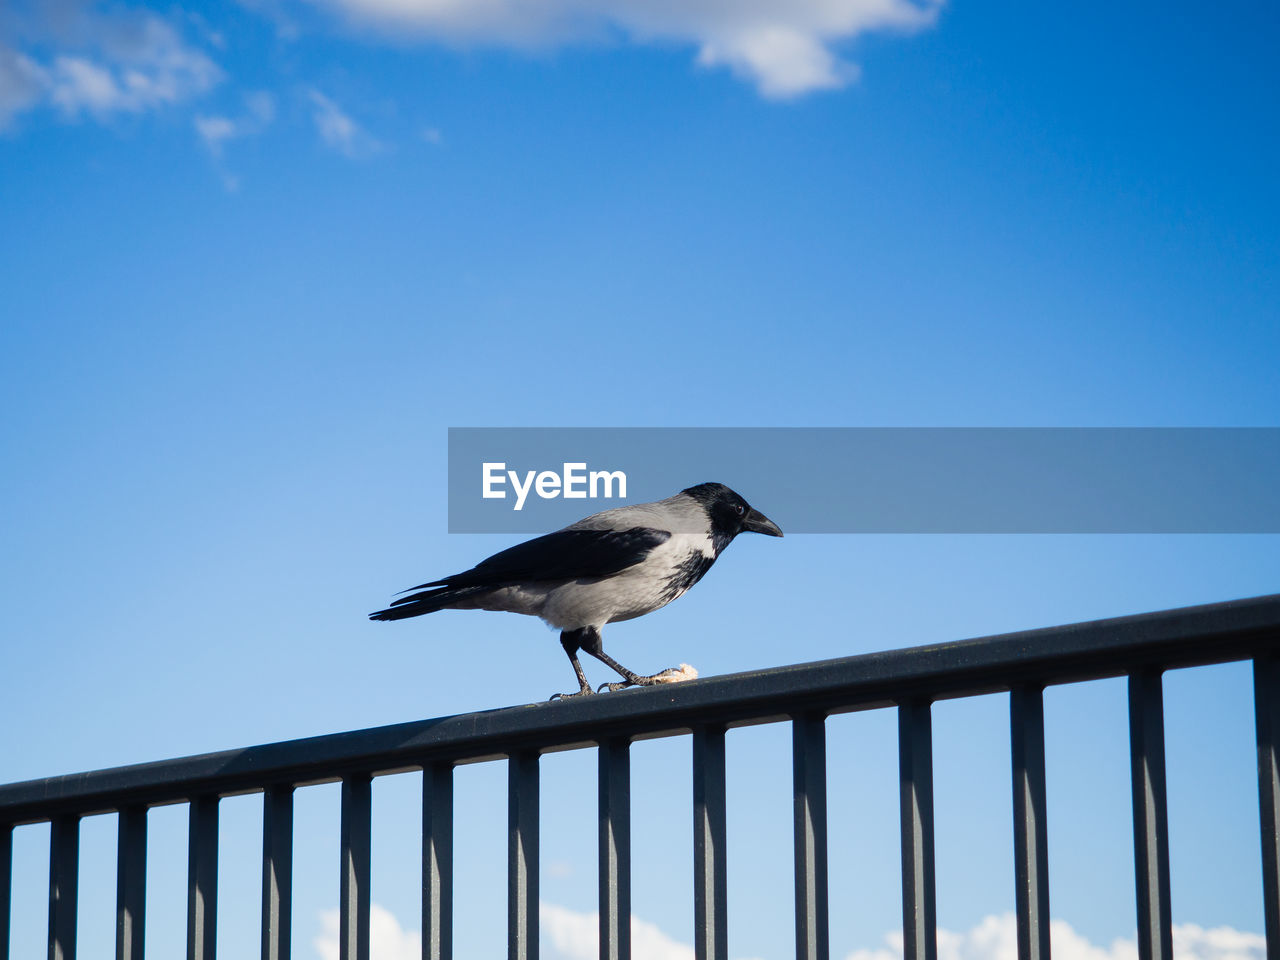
<point x="1139" y="647"/>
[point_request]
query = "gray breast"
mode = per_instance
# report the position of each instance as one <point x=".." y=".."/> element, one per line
<point x="688" y="572"/>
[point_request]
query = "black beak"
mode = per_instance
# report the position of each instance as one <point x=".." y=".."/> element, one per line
<point x="757" y="522"/>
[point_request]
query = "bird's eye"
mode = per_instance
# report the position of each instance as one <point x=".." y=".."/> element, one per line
<point x="740" y="509"/>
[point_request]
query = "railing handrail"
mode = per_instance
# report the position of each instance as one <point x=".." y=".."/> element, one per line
<point x="1096" y="649"/>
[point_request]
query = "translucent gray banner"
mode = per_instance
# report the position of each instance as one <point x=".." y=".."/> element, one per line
<point x="880" y="480"/>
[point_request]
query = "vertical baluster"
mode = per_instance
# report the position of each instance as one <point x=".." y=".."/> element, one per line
<point x="202" y="879"/>
<point x="1030" y="831"/>
<point x="1266" y="705"/>
<point x="64" y="880"/>
<point x="353" y="885"/>
<point x="615" y="849"/>
<point x="809" y="777"/>
<point x="131" y="883"/>
<point x="1150" y="815"/>
<point x="522" y="856"/>
<point x="277" y="871"/>
<point x="710" y="888"/>
<point x="915" y="771"/>
<point x="437" y="861"/>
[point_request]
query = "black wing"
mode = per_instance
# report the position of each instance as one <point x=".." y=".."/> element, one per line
<point x="563" y="555"/>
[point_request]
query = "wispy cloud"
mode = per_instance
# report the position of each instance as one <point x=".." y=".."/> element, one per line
<point x="338" y="130"/>
<point x="575" y="936"/>
<point x="217" y="130"/>
<point x="22" y="84"/>
<point x="787" y="48"/>
<point x="995" y="938"/>
<point x="571" y="935"/>
<point x="99" y="64"/>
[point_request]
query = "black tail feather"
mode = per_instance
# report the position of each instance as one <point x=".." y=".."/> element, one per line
<point x="426" y="602"/>
<point x="425" y="586"/>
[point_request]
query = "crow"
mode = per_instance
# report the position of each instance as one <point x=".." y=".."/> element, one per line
<point x="616" y="565"/>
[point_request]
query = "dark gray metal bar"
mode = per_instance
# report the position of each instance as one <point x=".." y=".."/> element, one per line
<point x="710" y="836"/>
<point x="277" y="871"/>
<point x="1150" y="815"/>
<point x="1196" y="635"/>
<point x="6" y="886"/>
<point x="353" y="886"/>
<point x="809" y="777"/>
<point x="437" y="861"/>
<point x="1266" y="700"/>
<point x="915" y="772"/>
<point x="1030" y="830"/>
<point x="522" y="856"/>
<point x="64" y="881"/>
<point x="131" y="883"/>
<point x="615" y="850"/>
<point x="202" y="879"/>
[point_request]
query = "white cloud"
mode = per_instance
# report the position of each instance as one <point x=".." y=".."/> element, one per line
<point x="995" y="938"/>
<point x="216" y="130"/>
<point x="22" y="84"/>
<point x="276" y="11"/>
<point x="261" y="106"/>
<point x="575" y="936"/>
<point x="1217" y="943"/>
<point x="785" y="47"/>
<point x="387" y="939"/>
<point x="784" y="62"/>
<point x="79" y="84"/>
<point x="143" y="67"/>
<point x="338" y="130"/>
<point x="104" y="64"/>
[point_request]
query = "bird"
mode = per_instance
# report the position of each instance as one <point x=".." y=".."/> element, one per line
<point x="611" y="566"/>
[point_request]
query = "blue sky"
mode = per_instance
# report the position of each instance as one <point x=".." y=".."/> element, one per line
<point x="255" y="259"/>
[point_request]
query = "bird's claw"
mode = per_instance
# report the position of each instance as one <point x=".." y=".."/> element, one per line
<point x="585" y="691"/>
<point x="669" y="675"/>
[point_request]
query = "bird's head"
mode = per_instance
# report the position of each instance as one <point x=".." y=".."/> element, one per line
<point x="730" y="515"/>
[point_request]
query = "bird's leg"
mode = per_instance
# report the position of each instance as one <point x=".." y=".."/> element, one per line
<point x="593" y="644"/>
<point x="571" y="641"/>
